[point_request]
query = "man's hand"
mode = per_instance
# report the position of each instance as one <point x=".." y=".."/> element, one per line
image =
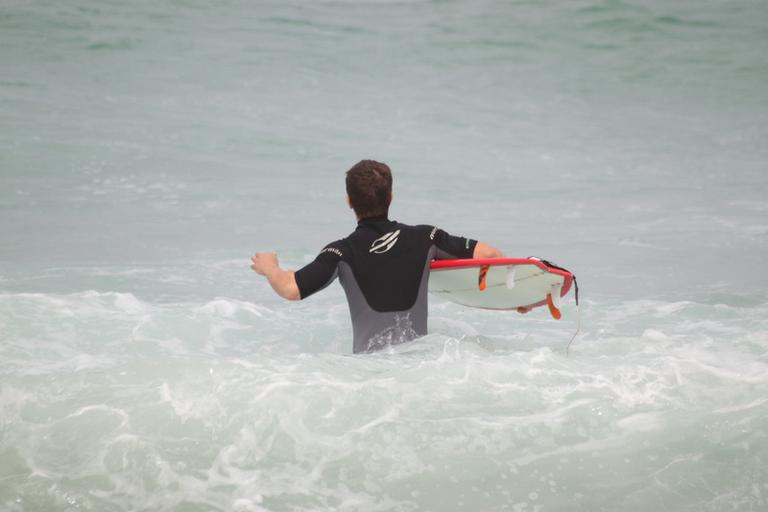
<point x="483" y="251"/>
<point x="263" y="262"/>
<point x="283" y="282"/>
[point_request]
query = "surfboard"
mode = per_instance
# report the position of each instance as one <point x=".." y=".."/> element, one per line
<point x="501" y="283"/>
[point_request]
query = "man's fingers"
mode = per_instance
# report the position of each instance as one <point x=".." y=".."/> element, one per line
<point x="259" y="255"/>
<point x="262" y="261"/>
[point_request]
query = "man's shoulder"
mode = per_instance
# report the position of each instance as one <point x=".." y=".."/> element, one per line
<point x="336" y="248"/>
<point x="423" y="228"/>
<point x="425" y="232"/>
<point x="428" y="230"/>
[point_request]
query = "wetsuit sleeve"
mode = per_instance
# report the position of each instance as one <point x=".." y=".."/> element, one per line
<point x="452" y="247"/>
<point x="315" y="276"/>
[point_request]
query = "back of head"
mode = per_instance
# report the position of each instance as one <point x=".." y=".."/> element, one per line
<point x="369" y="187"/>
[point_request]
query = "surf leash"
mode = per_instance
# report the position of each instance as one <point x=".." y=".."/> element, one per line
<point x="575" y="295"/>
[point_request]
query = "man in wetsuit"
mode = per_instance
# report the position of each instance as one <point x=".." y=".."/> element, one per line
<point x="383" y="265"/>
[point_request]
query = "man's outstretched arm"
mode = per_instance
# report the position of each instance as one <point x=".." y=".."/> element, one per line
<point x="282" y="281"/>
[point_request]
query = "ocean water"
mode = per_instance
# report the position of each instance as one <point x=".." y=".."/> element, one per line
<point x="147" y="149"/>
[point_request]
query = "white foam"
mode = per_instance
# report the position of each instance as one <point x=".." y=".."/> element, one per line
<point x="641" y="422"/>
<point x="654" y="335"/>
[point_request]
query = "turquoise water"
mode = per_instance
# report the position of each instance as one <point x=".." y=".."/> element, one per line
<point x="147" y="149"/>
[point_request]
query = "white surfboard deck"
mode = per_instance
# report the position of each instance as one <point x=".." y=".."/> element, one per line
<point x="510" y="283"/>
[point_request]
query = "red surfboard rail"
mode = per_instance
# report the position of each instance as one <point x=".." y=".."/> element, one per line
<point x="438" y="265"/>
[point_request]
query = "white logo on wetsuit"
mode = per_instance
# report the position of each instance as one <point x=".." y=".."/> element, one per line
<point x="385" y="243"/>
<point x="333" y="250"/>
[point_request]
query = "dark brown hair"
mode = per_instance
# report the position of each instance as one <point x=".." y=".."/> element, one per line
<point x="369" y="187"/>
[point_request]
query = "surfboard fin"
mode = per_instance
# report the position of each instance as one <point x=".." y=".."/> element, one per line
<point x="511" y="276"/>
<point x="481" y="277"/>
<point x="553" y="302"/>
<point x="553" y="310"/>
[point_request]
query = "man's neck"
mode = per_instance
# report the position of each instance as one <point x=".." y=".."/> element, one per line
<point x="373" y="218"/>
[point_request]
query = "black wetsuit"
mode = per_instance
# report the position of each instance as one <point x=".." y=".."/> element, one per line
<point x="384" y="269"/>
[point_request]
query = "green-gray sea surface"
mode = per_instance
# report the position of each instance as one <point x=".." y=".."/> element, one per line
<point x="148" y="148"/>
